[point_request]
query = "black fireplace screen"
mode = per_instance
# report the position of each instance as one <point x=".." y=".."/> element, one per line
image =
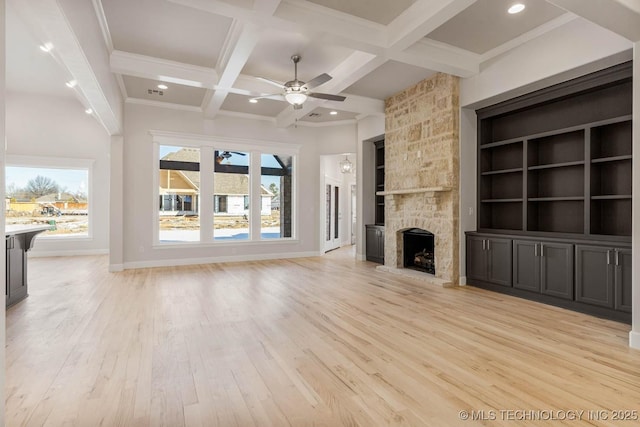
<point x="418" y="250"/>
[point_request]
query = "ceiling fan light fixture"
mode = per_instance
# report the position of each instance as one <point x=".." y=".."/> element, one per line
<point x="295" y="98"/>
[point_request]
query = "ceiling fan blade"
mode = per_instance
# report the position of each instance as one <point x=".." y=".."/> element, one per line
<point x="326" y="96"/>
<point x="317" y="81"/>
<point x="276" y="96"/>
<point x="273" y="82"/>
<point x="238" y="153"/>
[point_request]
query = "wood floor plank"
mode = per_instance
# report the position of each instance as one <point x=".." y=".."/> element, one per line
<point x="326" y="341"/>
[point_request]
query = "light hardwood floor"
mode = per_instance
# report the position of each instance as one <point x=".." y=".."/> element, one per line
<point x="305" y="342"/>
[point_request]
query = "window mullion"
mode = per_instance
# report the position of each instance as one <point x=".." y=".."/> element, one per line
<point x="206" y="194"/>
<point x="255" y="195"/>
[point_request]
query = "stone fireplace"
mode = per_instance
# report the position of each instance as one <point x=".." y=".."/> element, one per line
<point x="421" y="174"/>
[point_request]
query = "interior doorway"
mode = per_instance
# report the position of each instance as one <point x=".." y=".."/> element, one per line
<point x="333" y="215"/>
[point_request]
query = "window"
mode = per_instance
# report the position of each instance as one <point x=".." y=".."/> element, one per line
<point x="276" y="195"/>
<point x="231" y="188"/>
<point x="242" y="189"/>
<point x="55" y="196"/>
<point x="220" y="204"/>
<point x="179" y="194"/>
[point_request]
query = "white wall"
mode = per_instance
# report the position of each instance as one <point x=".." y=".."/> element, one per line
<point x="49" y="126"/>
<point x="139" y="170"/>
<point x="2" y="191"/>
<point x="634" y="335"/>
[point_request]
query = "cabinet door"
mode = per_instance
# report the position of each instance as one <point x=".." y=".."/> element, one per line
<point x="526" y="265"/>
<point x="499" y="261"/>
<point x="594" y="275"/>
<point x="556" y="269"/>
<point x="476" y="258"/>
<point x="623" y="280"/>
<point x="374" y="248"/>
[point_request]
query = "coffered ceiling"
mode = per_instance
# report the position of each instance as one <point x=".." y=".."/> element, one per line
<point x="211" y="53"/>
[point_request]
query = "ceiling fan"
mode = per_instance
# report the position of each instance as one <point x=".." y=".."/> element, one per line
<point x="223" y="155"/>
<point x="295" y="92"/>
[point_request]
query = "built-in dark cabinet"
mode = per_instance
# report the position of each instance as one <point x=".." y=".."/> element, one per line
<point x="374" y="238"/>
<point x="556" y="269"/>
<point x="489" y="260"/>
<point x="555" y="176"/>
<point x="374" y="233"/>
<point x="603" y="276"/>
<point x="544" y="267"/>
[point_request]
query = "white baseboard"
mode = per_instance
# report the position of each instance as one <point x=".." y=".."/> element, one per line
<point x="215" y="260"/>
<point x="72" y="252"/>
<point x="634" y="340"/>
<point x="114" y="268"/>
<point x="463" y="281"/>
<point x="361" y="257"/>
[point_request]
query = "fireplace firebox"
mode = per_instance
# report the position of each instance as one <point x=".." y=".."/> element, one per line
<point x="418" y="250"/>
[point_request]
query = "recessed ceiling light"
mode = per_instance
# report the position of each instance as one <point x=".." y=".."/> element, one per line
<point x="333" y="113"/>
<point x="163" y="87"/>
<point x="88" y="111"/>
<point x="516" y="8"/>
<point x="253" y="101"/>
<point x="46" y="47"/>
<point x="71" y="83"/>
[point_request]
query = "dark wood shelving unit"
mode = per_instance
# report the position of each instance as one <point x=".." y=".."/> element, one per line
<point x="374" y="233"/>
<point x="555" y="166"/>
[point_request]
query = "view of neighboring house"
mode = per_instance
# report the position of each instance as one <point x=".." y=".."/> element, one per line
<point x="180" y="189"/>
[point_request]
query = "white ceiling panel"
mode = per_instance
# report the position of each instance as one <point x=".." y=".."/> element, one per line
<point x="487" y="24"/>
<point x="388" y="79"/>
<point x="174" y="94"/>
<point x="271" y="58"/>
<point x="264" y="107"/>
<point x="379" y="11"/>
<point x="323" y="115"/>
<point x="162" y="29"/>
<point x="28" y="68"/>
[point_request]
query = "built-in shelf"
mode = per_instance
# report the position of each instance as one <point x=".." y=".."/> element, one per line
<point x="554" y="199"/>
<point x="502" y="171"/>
<point x="557" y="165"/>
<point x="501" y="200"/>
<point x="413" y="191"/>
<point x="612" y="197"/>
<point x="611" y="159"/>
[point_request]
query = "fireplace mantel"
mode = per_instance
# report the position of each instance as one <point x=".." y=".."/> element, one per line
<point x="413" y="191"/>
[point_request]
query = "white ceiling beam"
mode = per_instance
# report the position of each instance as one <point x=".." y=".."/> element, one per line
<point x="620" y="16"/>
<point x="48" y="20"/>
<point x="420" y="19"/>
<point x="148" y="67"/>
<point x="241" y="39"/>
<point x="324" y="25"/>
<point x="439" y="57"/>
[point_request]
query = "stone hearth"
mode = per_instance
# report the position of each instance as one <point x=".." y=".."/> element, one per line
<point x="421" y="171"/>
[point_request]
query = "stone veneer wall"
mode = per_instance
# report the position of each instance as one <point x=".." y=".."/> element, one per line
<point x="422" y="151"/>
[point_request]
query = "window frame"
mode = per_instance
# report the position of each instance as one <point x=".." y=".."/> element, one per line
<point x="12" y="160"/>
<point x="208" y="145"/>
